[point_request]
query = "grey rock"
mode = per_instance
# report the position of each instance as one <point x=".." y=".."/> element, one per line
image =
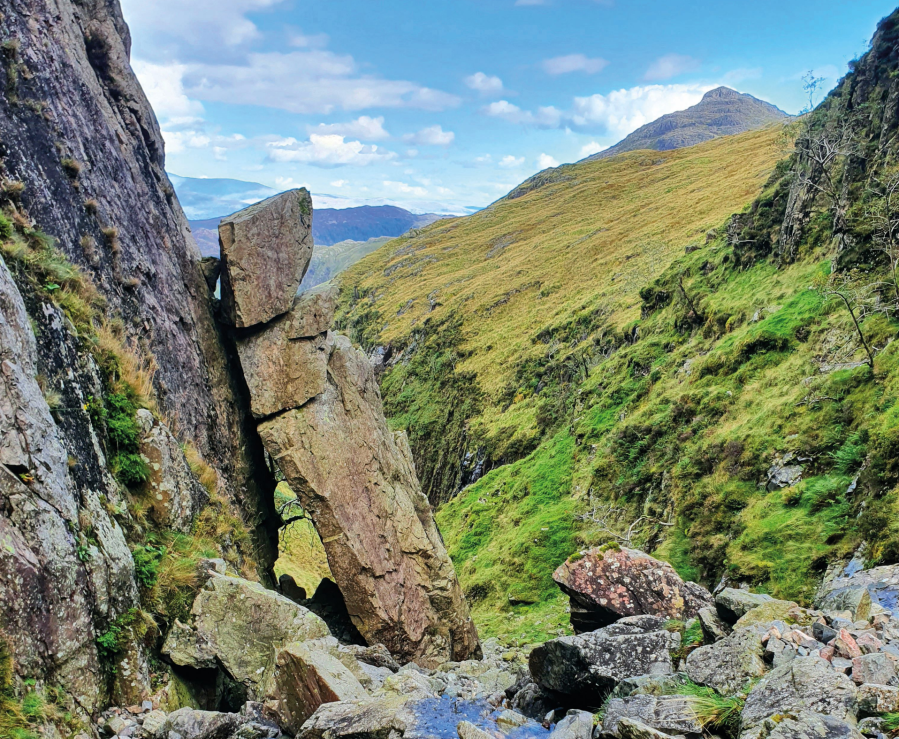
<point x="190" y="723"/>
<point x="581" y="666"/>
<point x="533" y="701"/>
<point x="805" y="684"/>
<point x="871" y="726"/>
<point x="713" y="627"/>
<point x="467" y="730"/>
<point x="632" y="729"/>
<point x="823" y="633"/>
<point x="670" y="713"/>
<point x="509" y="720"/>
<point x="728" y="664"/>
<point x="853" y="598"/>
<point x="733" y="604"/>
<point x="802" y="725"/>
<point x="650" y="685"/>
<point x="882" y="584"/>
<point x="266" y="250"/>
<point x="154" y="721"/>
<point x="875" y="668"/>
<point x="575" y="725"/>
<point x="878" y="698"/>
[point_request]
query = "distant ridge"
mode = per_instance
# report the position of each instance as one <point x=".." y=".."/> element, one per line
<point x="721" y="112"/>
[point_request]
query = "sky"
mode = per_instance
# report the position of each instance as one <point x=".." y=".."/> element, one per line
<point x="446" y="105"/>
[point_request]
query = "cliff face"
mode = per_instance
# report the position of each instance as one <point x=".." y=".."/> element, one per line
<point x="82" y="160"/>
<point x="78" y="132"/>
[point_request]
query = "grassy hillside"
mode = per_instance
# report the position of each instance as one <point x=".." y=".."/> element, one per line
<point x="532" y="291"/>
<point x="329" y="261"/>
<point x="741" y="357"/>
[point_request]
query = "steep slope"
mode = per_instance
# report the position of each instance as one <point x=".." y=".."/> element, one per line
<point x="745" y="427"/>
<point x="329" y="261"/>
<point x="721" y="112"/>
<point x="477" y="316"/>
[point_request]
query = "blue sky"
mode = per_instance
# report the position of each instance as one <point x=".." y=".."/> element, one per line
<point x="444" y="105"/>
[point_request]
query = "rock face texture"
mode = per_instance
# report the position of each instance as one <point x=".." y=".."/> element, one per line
<point x="80" y="137"/>
<point x="266" y="250"/>
<point x="605" y="585"/>
<point x="323" y="424"/>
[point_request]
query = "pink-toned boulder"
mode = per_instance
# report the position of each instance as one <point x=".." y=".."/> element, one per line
<point x="609" y="583"/>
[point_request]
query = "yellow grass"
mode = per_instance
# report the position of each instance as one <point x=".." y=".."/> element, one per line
<point x="588" y="243"/>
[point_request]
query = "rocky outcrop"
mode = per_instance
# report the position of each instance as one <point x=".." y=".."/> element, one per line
<point x="266" y="250"/>
<point x="324" y="426"/>
<point x="728" y="664"/>
<point x="609" y="583"/>
<point x="176" y="496"/>
<point x="862" y="592"/>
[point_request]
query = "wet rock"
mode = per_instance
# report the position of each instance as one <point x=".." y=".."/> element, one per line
<point x="228" y="614"/>
<point x="356" y="480"/>
<point x="578" y="668"/>
<point x="713" y="628"/>
<point x="605" y="585"/>
<point x="266" y="250"/>
<point x="670" y="713"/>
<point x="805" y="684"/>
<point x="306" y="675"/>
<point x="468" y="730"/>
<point x="509" y="720"/>
<point x="176" y="496"/>
<point x="533" y="701"/>
<point x="802" y="725"/>
<point x="728" y="664"/>
<point x="374" y="718"/>
<point x="733" y="604"/>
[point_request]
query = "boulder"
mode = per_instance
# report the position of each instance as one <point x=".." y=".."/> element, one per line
<point x="854" y="598"/>
<point x="733" y="604"/>
<point x="881" y="583"/>
<point x="467" y="730"/>
<point x="375" y="718"/>
<point x="283" y="373"/>
<point x="265" y="252"/>
<point x="228" y="614"/>
<point x="356" y="480"/>
<point x="805" y="684"/>
<point x="176" y="496"/>
<point x="575" y="725"/>
<point x="533" y="701"/>
<point x="878" y="668"/>
<point x="713" y="628"/>
<point x="306" y="675"/>
<point x="632" y="729"/>
<point x="728" y="664"/>
<point x="802" y="725"/>
<point x="578" y="668"/>
<point x="775" y="610"/>
<point x="608" y="583"/>
<point x="874" y="698"/>
<point x="670" y="713"/>
<point x="190" y="723"/>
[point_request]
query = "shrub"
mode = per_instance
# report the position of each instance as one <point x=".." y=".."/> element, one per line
<point x="146" y="564"/>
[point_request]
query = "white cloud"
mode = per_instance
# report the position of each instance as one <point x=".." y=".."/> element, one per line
<point x="547" y="117"/>
<point x="545" y="161"/>
<point x="484" y="83"/>
<point x="405" y="189"/>
<point x="340" y="183"/>
<point x="327" y="150"/>
<point x="592" y="148"/>
<point x="164" y="87"/>
<point x="209" y="23"/>
<point x="510" y="162"/>
<point x="574" y="63"/>
<point x="670" y="65"/>
<point x="364" y="127"/>
<point x="623" y="111"/>
<point x="430" y="136"/>
<point x="315" y="41"/>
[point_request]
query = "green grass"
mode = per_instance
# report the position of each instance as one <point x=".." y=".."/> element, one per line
<point x="714" y="711"/>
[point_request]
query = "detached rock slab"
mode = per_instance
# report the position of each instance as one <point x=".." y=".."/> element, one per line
<point x="356" y="480"/>
<point x="239" y="625"/>
<point x="266" y="250"/>
<point x="579" y="668"/>
<point x="807" y="684"/>
<point x="606" y="585"/>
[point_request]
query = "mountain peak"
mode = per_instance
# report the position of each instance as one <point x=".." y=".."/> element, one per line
<point x="721" y="112"/>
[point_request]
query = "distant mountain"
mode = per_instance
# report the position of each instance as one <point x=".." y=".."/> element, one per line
<point x="203" y="198"/>
<point x="721" y="112"/>
<point x="328" y="261"/>
<point x="333" y="225"/>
